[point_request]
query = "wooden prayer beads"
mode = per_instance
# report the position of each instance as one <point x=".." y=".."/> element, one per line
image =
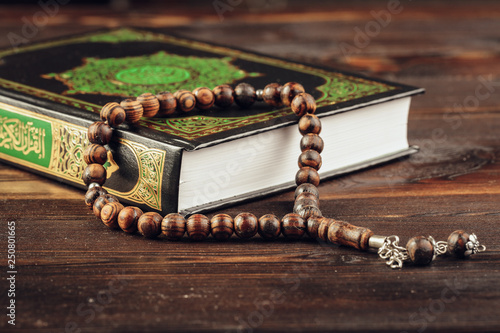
<point x="149" y="224"/>
<point x="133" y="109"/>
<point x="173" y="226"/>
<point x="245" y="225"/>
<point x="269" y="227"/>
<point x="113" y="114"/>
<point x="150" y="104"/>
<point x="306" y="216"/>
<point x="168" y="103"/>
<point x="95" y="154"/>
<point x="222" y="226"/>
<point x="198" y="227"/>
<point x="100" y="133"/>
<point x="205" y="98"/>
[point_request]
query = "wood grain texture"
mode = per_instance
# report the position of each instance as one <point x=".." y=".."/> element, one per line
<point x="68" y="260"/>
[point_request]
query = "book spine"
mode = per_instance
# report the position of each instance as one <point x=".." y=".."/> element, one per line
<point x="140" y="171"/>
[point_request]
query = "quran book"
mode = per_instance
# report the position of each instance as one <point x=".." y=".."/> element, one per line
<point x="51" y="91"/>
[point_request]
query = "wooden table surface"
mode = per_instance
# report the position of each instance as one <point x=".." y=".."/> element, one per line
<point x="75" y="275"/>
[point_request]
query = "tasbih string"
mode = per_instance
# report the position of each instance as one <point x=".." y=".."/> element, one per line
<point x="306" y="217"/>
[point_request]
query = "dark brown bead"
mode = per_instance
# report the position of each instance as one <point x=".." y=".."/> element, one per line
<point x="95" y="154"/>
<point x="223" y="96"/>
<point x="94" y="173"/>
<point x="173" y="226"/>
<point x="271" y="94"/>
<point x="293" y="226"/>
<point x="222" y="226"/>
<point x="205" y="98"/>
<point x="420" y="250"/>
<point x="168" y="103"/>
<point x="113" y="113"/>
<point x="310" y="158"/>
<point x="128" y="217"/>
<point x="457" y="243"/>
<point x="185" y="100"/>
<point x="245" y="225"/>
<point x="150" y="104"/>
<point x="133" y="109"/>
<point x="269" y="227"/>
<point x="149" y="224"/>
<point x="100" y="133"/>
<point x="307" y="188"/>
<point x="308" y="211"/>
<point x="313" y="223"/>
<point x="343" y="233"/>
<point x="101" y="201"/>
<point x="307" y="175"/>
<point x="309" y="123"/>
<point x="244" y="95"/>
<point x="323" y="227"/>
<point x="302" y="104"/>
<point x="302" y="203"/>
<point x="109" y="214"/>
<point x="198" y="227"/>
<point x="92" y="194"/>
<point x="312" y="141"/>
<point x="289" y="91"/>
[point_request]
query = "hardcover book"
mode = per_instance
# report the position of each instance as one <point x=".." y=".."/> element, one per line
<point x="50" y="92"/>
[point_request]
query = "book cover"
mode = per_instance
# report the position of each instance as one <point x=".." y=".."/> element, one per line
<point x="51" y="91"/>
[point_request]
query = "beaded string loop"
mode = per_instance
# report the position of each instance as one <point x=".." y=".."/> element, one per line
<point x="306" y="217"/>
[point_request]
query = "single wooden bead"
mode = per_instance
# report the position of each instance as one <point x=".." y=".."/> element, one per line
<point x="185" y="100"/>
<point x="168" y="103"/>
<point x="302" y="104"/>
<point x="293" y="226"/>
<point x="308" y="211"/>
<point x="269" y="227"/>
<point x="198" y="227"/>
<point x="307" y="175"/>
<point x="271" y="94"/>
<point x="244" y="95"/>
<point x="302" y="203"/>
<point x="222" y="226"/>
<point x="149" y="224"/>
<point x="309" y="123"/>
<point x="307" y="196"/>
<point x="343" y="233"/>
<point x="95" y="154"/>
<point x="133" y="109"/>
<point x="312" y="141"/>
<point x="323" y="227"/>
<point x="306" y="188"/>
<point x="289" y="91"/>
<point x="92" y="194"/>
<point x="223" y="96"/>
<point x="128" y="217"/>
<point x="109" y="214"/>
<point x="94" y="173"/>
<point x="205" y="98"/>
<point x="113" y="113"/>
<point x="101" y="201"/>
<point x="457" y="243"/>
<point x="313" y="223"/>
<point x="245" y="225"/>
<point x="420" y="250"/>
<point x="100" y="133"/>
<point x="310" y="158"/>
<point x="150" y="104"/>
<point x="173" y="226"/>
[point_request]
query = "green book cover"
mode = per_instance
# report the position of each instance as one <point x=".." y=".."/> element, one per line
<point x="51" y="91"/>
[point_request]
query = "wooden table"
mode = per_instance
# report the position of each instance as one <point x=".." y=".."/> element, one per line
<point x="75" y="274"/>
